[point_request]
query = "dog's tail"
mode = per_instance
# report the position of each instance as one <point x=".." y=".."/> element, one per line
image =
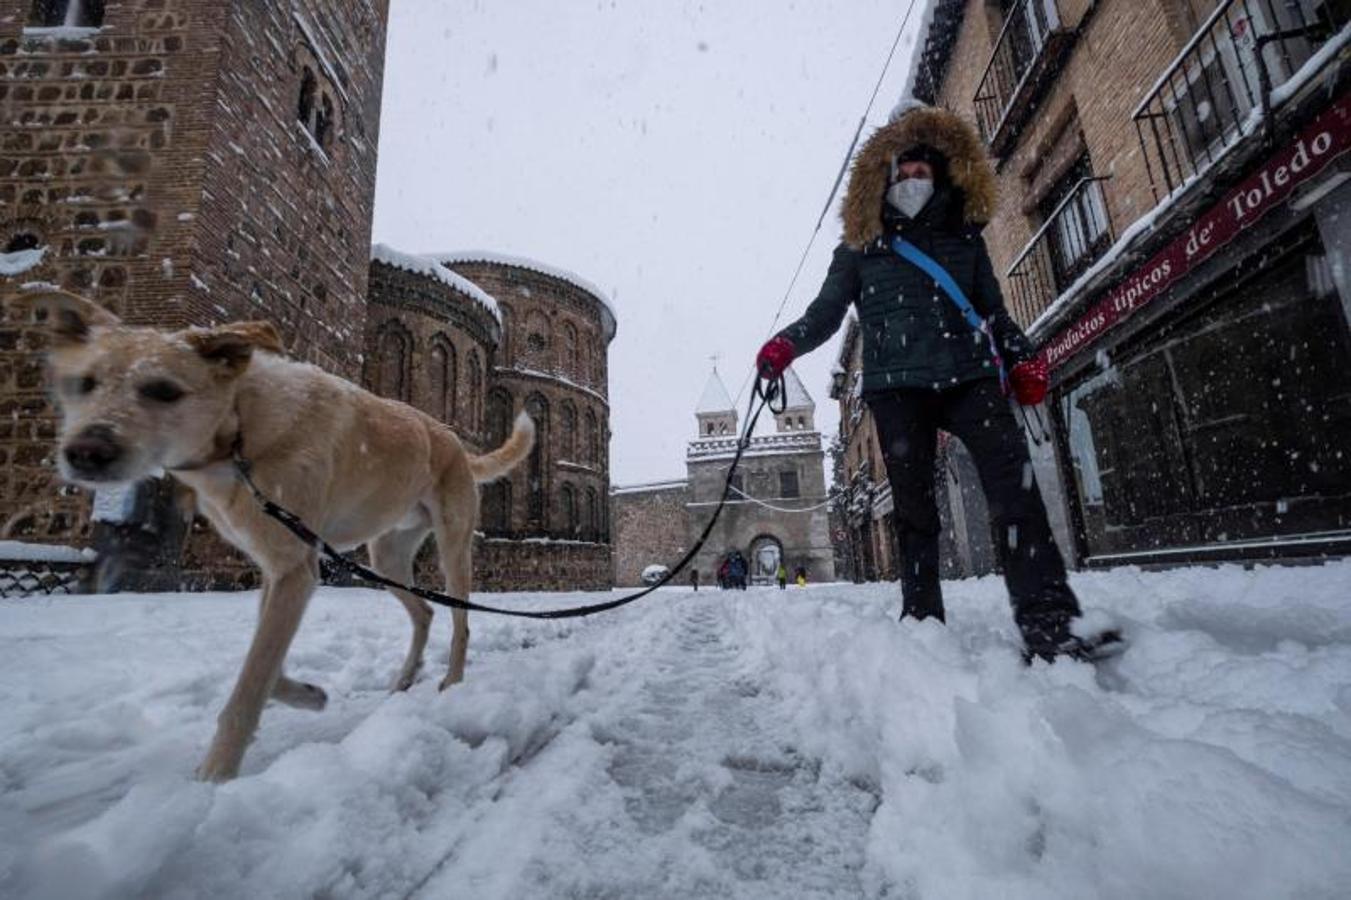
<point x="491" y="466"/>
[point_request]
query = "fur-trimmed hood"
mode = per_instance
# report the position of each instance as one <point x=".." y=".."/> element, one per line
<point x="969" y="168"/>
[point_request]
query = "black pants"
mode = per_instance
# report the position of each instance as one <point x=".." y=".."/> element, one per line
<point x="978" y="413"/>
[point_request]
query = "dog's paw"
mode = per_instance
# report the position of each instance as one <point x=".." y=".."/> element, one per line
<point x="300" y="695"/>
<point x="216" y="769"/>
<point x="407" y="678"/>
<point x="447" y="682"/>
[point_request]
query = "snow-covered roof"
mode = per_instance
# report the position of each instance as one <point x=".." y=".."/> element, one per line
<point x="715" y="398"/>
<point x="610" y="318"/>
<point x="424" y="265"/>
<point x="798" y="398"/>
<point x="670" y="484"/>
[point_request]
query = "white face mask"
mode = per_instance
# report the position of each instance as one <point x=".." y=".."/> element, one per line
<point x="909" y="195"/>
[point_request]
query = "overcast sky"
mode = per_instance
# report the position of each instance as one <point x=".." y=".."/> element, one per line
<point x="675" y="154"/>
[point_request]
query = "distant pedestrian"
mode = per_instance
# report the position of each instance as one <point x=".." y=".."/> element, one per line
<point x="801" y="576"/>
<point x="694" y="579"/>
<point x="724" y="573"/>
<point x="782" y="576"/>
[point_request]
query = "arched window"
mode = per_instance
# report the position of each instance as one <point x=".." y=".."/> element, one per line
<point x="537" y="470"/>
<point x="538" y="352"/>
<point x="474" y="402"/>
<point x="570" y="352"/>
<point x="393" y="351"/>
<point x="497" y="422"/>
<point x="568" y="499"/>
<point x="441" y="378"/>
<point x="590" y="440"/>
<point x="507" y="348"/>
<point x="567" y="431"/>
<point x="592" y="524"/>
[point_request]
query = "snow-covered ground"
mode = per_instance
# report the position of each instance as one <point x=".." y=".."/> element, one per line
<point x="758" y="744"/>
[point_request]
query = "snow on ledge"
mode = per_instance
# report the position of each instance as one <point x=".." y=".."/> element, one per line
<point x="20" y="261"/>
<point x="425" y="265"/>
<point x="65" y="32"/>
<point x="503" y="259"/>
<point x="22" y="551"/>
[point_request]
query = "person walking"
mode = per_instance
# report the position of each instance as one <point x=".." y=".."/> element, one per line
<point x="782" y="576"/>
<point x="694" y="579"/>
<point x="801" y="576"/>
<point x="923" y="182"/>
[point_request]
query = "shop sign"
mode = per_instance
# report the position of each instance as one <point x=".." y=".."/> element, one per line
<point x="1324" y="140"/>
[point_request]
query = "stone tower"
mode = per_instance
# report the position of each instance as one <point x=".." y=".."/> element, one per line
<point x="715" y="412"/>
<point x="182" y="162"/>
<point x="799" y="413"/>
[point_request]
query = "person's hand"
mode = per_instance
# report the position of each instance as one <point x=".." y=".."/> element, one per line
<point x="774" y="357"/>
<point x="1030" y="379"/>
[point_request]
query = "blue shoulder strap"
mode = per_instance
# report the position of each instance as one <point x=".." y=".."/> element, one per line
<point x="927" y="264"/>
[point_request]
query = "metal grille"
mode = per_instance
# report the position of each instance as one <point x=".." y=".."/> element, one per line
<point x="1212" y="93"/>
<point x="35" y="578"/>
<point x="1075" y="235"/>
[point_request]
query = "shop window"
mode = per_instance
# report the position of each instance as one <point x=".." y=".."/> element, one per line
<point x="66" y="13"/>
<point x="788" y="486"/>
<point x="1232" y="424"/>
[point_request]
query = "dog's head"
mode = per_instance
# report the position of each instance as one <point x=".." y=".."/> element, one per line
<point x="134" y="400"/>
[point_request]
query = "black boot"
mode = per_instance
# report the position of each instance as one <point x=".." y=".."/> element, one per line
<point x="1047" y="635"/>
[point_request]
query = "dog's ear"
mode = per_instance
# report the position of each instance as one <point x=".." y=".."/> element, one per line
<point x="232" y="345"/>
<point x="70" y="318"/>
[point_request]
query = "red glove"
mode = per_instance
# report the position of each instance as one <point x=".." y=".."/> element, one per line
<point x="775" y="356"/>
<point x="1030" y="378"/>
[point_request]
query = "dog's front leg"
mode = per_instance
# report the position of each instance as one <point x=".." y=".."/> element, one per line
<point x="284" y="601"/>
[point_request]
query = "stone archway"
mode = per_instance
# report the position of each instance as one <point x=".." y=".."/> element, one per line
<point x="766" y="556"/>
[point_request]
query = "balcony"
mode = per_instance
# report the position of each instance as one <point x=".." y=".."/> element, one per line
<point x="1219" y="87"/>
<point x="1034" y="39"/>
<point x="1074" y="236"/>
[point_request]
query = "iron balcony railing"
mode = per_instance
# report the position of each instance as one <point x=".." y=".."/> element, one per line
<point x="1214" y="91"/>
<point x="1074" y="236"/>
<point x="1032" y="41"/>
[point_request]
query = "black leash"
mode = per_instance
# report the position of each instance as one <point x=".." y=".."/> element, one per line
<point x="771" y="394"/>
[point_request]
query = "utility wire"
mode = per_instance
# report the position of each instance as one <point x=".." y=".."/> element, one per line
<point x="834" y="189"/>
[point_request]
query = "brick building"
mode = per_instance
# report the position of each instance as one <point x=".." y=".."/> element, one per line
<point x="181" y="162"/>
<point x="1171" y="232"/>
<point x="190" y="163"/>
<point x="777" y="511"/>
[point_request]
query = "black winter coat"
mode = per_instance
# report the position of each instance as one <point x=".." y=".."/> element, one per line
<point x="913" y="335"/>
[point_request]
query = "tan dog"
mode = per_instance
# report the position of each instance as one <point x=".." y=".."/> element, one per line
<point x="357" y="468"/>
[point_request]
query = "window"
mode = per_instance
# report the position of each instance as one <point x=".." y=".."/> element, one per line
<point x="590" y="448"/>
<point x="592" y="515"/>
<point x="788" y="486"/>
<point x="570" y="350"/>
<point x="441" y="380"/>
<point x="474" y="402"/>
<point x="568" y="499"/>
<point x="66" y="13"/>
<point x="308" y="85"/>
<point x="498" y="418"/>
<point x="24" y="240"/>
<point x="537" y="473"/>
<point x="393" y="352"/>
<point x="315" y="110"/>
<point x="567" y="432"/>
<point x="1079" y="231"/>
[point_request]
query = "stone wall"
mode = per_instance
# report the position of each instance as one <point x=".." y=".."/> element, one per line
<point x="649" y="526"/>
<point x="551" y="362"/>
<point x="160" y="161"/>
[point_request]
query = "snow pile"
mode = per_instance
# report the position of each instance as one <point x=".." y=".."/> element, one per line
<point x="24" y="551"/>
<point x="748" y="744"/>
<point x="422" y="265"/>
